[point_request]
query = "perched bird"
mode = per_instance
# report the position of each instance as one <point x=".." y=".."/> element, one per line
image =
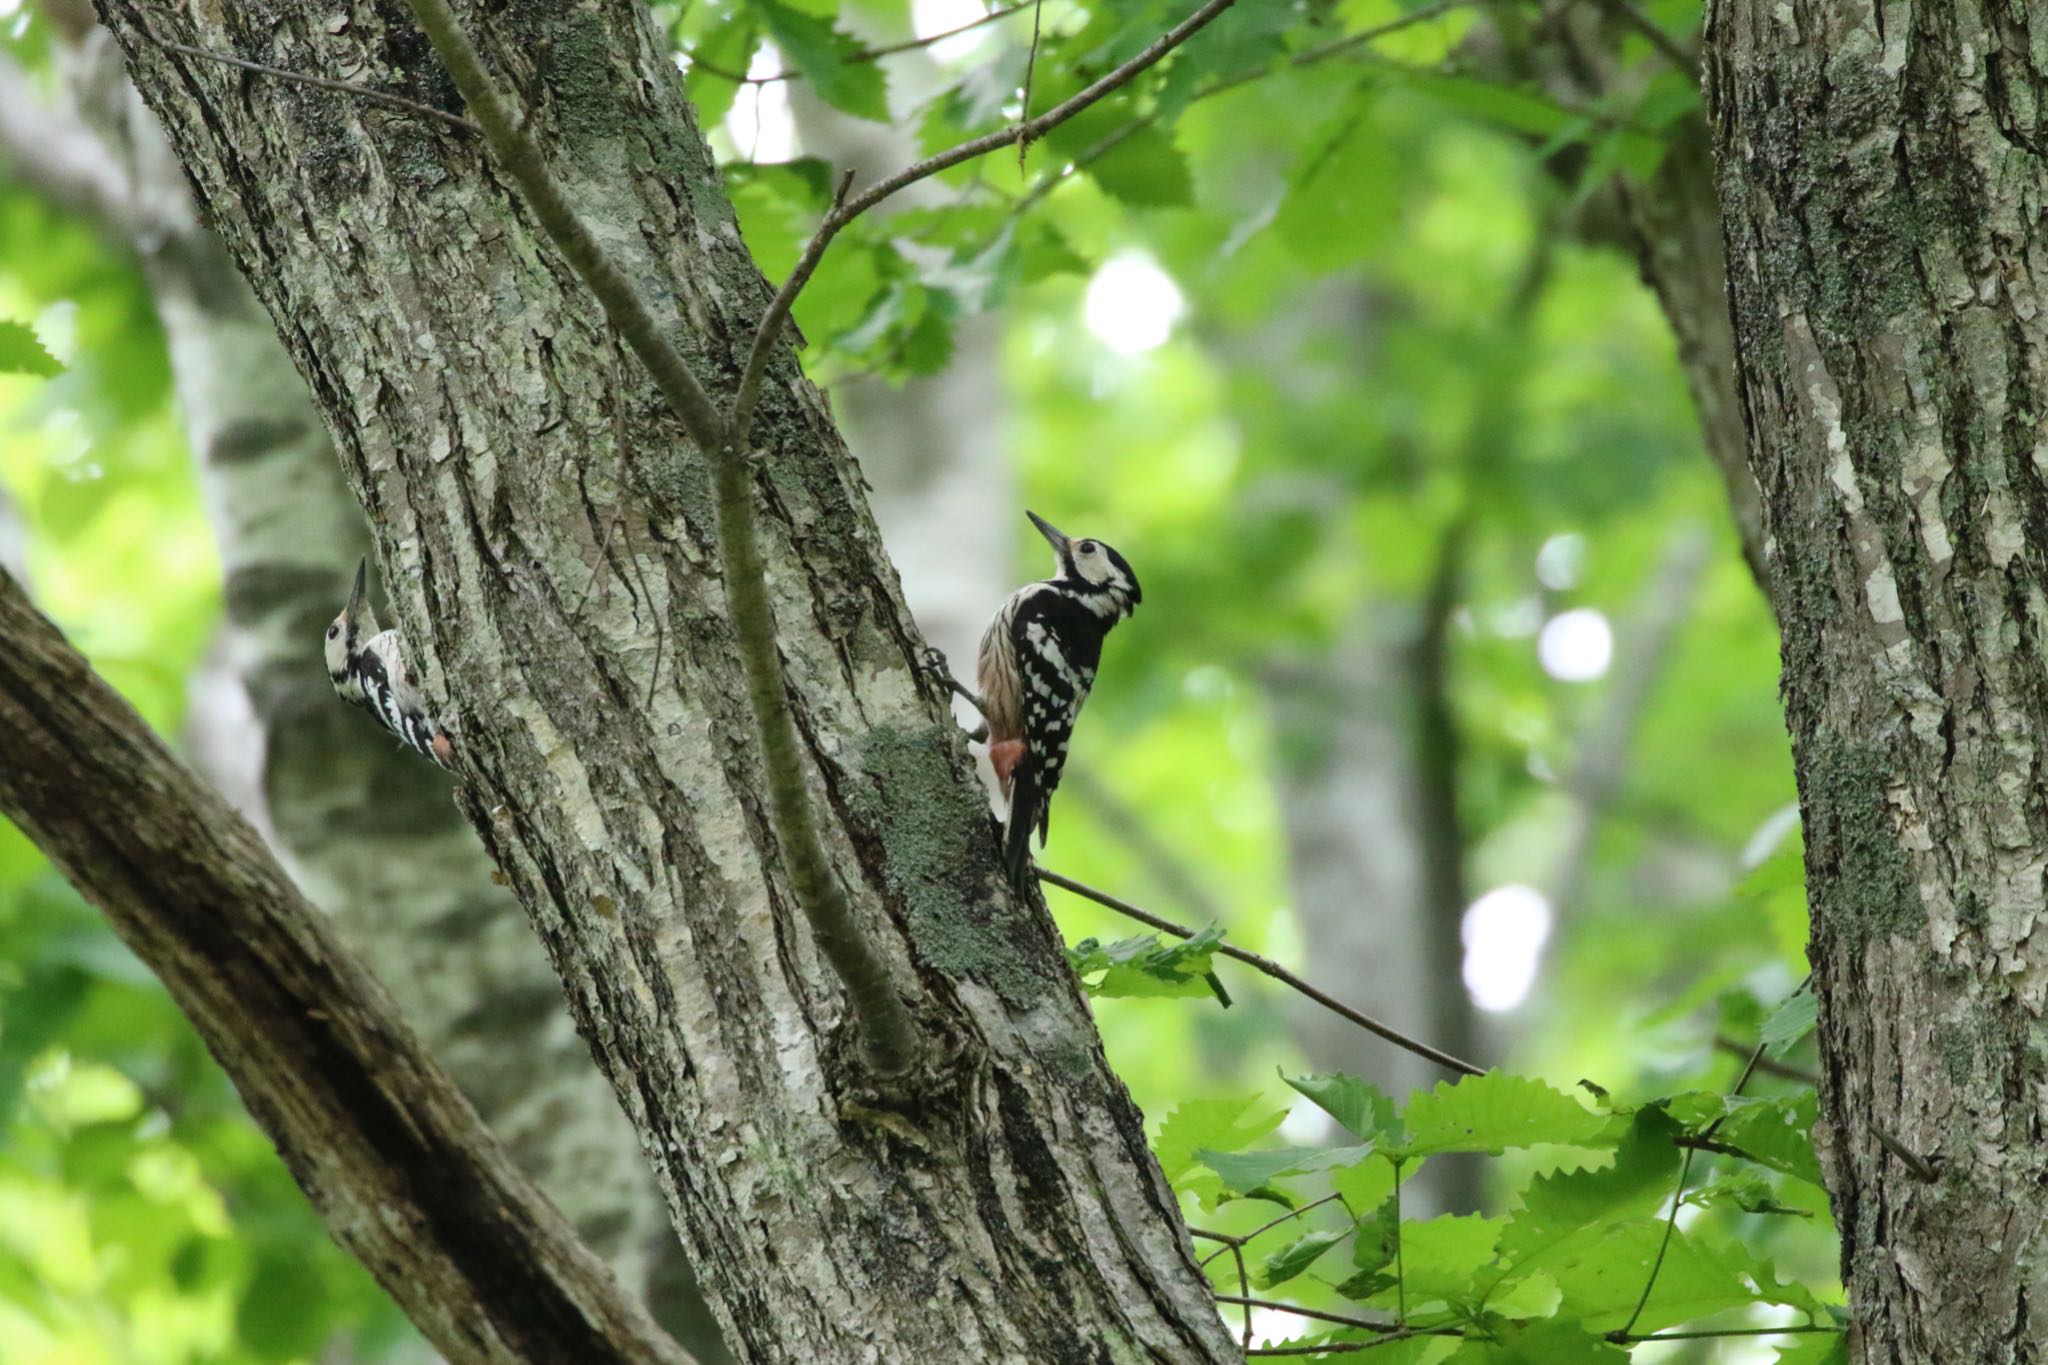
<point x="1037" y="662"/>
<point x="367" y="668"/>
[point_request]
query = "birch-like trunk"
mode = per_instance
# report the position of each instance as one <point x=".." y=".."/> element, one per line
<point x="547" y="528"/>
<point x="1882" y="173"/>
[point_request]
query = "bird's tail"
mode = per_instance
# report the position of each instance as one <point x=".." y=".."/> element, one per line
<point x="1024" y="817"/>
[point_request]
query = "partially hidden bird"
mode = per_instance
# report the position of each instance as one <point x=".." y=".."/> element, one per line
<point x="367" y="667"/>
<point x="1036" y="665"/>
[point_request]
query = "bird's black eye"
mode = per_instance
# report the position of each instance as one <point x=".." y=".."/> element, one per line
<point x="1088" y="547"/>
<point x="333" y="631"/>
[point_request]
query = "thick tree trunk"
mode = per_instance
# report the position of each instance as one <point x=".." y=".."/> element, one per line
<point x="548" y="528"/>
<point x="367" y="831"/>
<point x="1883" y="176"/>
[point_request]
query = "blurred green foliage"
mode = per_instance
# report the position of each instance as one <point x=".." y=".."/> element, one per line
<point x="1374" y="323"/>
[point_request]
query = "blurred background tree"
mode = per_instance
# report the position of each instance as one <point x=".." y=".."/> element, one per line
<point x="1453" y="686"/>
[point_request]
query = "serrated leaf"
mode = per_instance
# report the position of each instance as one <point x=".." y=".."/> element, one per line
<point x="1777" y="1133"/>
<point x="1143" y="966"/>
<point x="1602" y="1278"/>
<point x="1492" y="1113"/>
<point x="1363" y="1110"/>
<point x="1290" y="1261"/>
<point x="1242" y="1171"/>
<point x="822" y="54"/>
<point x="22" y="353"/>
<point x="1227" y="1125"/>
<point x="1375" y="1237"/>
<point x="1566" y="1204"/>
<point x="1791" y="1022"/>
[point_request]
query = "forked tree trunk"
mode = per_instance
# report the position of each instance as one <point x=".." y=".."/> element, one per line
<point x="1882" y="176"/>
<point x="547" y="532"/>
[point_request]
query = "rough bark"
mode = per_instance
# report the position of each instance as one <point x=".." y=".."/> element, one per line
<point x="1882" y="175"/>
<point x="403" y="1171"/>
<point x="549" y="532"/>
<point x="367" y="832"/>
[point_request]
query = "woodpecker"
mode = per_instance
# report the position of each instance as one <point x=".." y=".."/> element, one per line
<point x="367" y="668"/>
<point x="1037" y="662"/>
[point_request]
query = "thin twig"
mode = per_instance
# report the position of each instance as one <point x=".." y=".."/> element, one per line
<point x="323" y="82"/>
<point x="1030" y="69"/>
<point x="1266" y="1227"/>
<point x="1270" y="968"/>
<point x="888" y="1040"/>
<point x="865" y="55"/>
<point x="1923" y="1170"/>
<point x="1030" y="130"/>
<point x="1363" y="1324"/>
<point x="1769" y="1066"/>
<point x="1684" y="1173"/>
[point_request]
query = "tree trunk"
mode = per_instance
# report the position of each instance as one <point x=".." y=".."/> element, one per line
<point x="1882" y="177"/>
<point x="547" y="528"/>
<point x="368" y="832"/>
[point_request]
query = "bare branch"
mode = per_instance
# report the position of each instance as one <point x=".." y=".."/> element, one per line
<point x="887" y="1037"/>
<point x="1270" y="968"/>
<point x="1030" y="130"/>
<point x="1668" y="47"/>
<point x="1363" y="1324"/>
<point x="404" y="1173"/>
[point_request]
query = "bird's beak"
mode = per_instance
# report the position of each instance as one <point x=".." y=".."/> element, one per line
<point x="1050" y="532"/>
<point x="355" y="594"/>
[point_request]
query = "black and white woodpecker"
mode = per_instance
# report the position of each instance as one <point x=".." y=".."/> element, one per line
<point x="367" y="668"/>
<point x="1038" y="659"/>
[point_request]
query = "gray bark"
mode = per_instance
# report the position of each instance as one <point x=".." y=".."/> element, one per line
<point x="1882" y="174"/>
<point x="368" y="833"/>
<point x="548" y="532"/>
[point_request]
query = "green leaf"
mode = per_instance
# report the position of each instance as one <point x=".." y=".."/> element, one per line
<point x="1602" y="1277"/>
<point x="1546" y="1343"/>
<point x="1359" y="1106"/>
<point x="21" y="353"/>
<point x="1564" y="1205"/>
<point x="1441" y="1256"/>
<point x="1778" y="1133"/>
<point x="1367" y="1183"/>
<point x="821" y="52"/>
<point x="1492" y="1113"/>
<point x="1249" y="1170"/>
<point x="1143" y="966"/>
<point x="1791" y="1021"/>
<point x="1214" y="1125"/>
<point x="1375" y="1237"/>
<point x="1144" y="170"/>
<point x="1290" y="1261"/>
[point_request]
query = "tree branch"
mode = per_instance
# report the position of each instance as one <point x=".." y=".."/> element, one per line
<point x="403" y="1172"/>
<point x="1270" y="968"/>
<point x="1030" y="130"/>
<point x="887" y="1037"/>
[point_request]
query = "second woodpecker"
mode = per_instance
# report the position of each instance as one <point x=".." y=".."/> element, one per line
<point x="1037" y="661"/>
<point x="367" y="668"/>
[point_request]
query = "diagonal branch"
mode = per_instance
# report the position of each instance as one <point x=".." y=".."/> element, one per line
<point x="865" y="55"/>
<point x="401" y="1169"/>
<point x="886" y="1033"/>
<point x="1270" y="968"/>
<point x="1023" y="134"/>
